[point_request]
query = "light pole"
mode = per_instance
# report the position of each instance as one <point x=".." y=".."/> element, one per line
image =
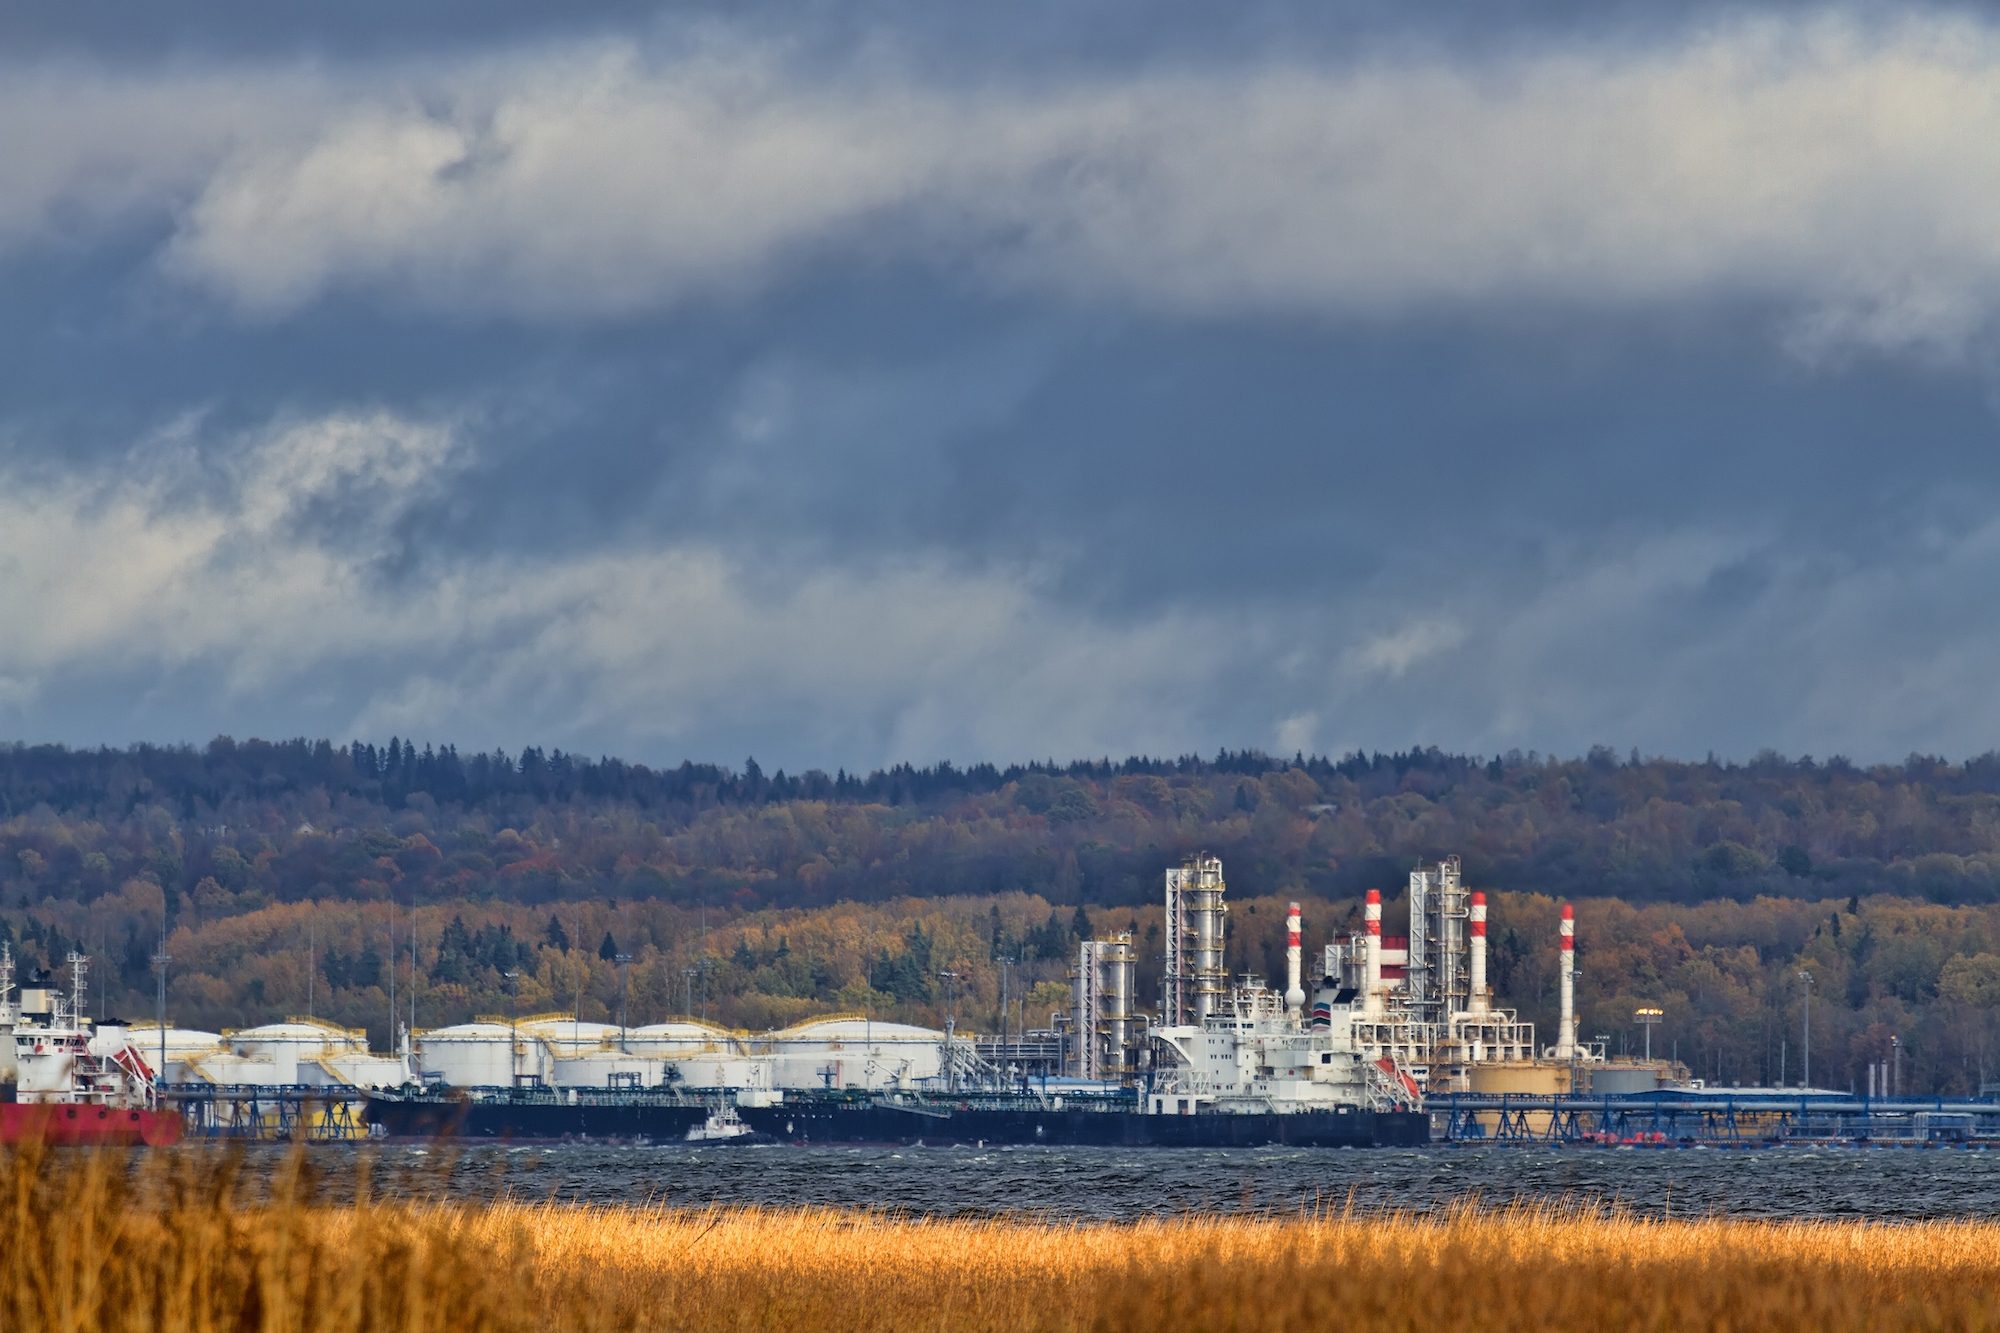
<point x="514" y="1025"/>
<point x="950" y="980"/>
<point x="1806" y="978"/>
<point x="1648" y="1019"/>
<point x="160" y="961"/>
<point x="624" y="997"/>
<point x="1005" y="965"/>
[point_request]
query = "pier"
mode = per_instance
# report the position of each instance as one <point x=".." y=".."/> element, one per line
<point x="267" y="1113"/>
<point x="1731" y="1116"/>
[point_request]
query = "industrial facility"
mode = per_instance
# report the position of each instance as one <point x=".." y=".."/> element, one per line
<point x="1418" y="1002"/>
<point x="1387" y="1035"/>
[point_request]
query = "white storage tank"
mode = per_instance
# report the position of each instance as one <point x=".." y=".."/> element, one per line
<point x="684" y="1039"/>
<point x="225" y="1068"/>
<point x="601" y="1069"/>
<point x="364" y="1070"/>
<point x="853" y="1053"/>
<point x="473" y="1055"/>
<point x="567" y="1036"/>
<point x="295" y="1042"/>
<point x="736" y="1073"/>
<point x="183" y="1046"/>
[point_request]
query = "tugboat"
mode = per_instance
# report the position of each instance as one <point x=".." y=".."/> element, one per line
<point x="723" y="1125"/>
<point x="76" y="1083"/>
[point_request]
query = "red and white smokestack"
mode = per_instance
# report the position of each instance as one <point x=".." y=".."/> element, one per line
<point x="1371" y="977"/>
<point x="1566" y="1025"/>
<point x="1295" y="991"/>
<point x="1477" y="1001"/>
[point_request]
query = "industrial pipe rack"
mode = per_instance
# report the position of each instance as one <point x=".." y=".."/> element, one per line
<point x="1741" y="1116"/>
<point x="267" y="1113"/>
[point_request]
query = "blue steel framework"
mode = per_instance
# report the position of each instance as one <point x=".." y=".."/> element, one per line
<point x="1737" y="1116"/>
<point x="254" y="1112"/>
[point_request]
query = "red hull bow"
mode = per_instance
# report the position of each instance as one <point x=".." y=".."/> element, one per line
<point x="65" y="1126"/>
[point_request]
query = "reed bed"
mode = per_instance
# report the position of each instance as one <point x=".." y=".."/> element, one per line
<point x="186" y="1241"/>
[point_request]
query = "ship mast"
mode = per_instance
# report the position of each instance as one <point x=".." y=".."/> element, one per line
<point x="79" y="965"/>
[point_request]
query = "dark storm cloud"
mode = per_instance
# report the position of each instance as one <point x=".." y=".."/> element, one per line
<point x="1118" y="31"/>
<point x="909" y="383"/>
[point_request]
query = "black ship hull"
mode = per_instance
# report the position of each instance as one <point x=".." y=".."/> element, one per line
<point x="544" y="1119"/>
<point x="810" y="1121"/>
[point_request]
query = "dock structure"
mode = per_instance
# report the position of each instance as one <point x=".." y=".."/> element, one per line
<point x="1731" y="1116"/>
<point x="251" y="1112"/>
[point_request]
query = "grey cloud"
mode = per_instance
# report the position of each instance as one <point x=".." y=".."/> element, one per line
<point x="1579" y="390"/>
<point x="1838" y="169"/>
<point x="151" y="564"/>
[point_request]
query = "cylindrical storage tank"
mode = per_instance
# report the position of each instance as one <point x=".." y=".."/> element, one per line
<point x="183" y="1045"/>
<point x="469" y="1055"/>
<point x="736" y="1073"/>
<point x="1617" y="1078"/>
<point x="296" y="1042"/>
<point x="357" y="1071"/>
<point x="604" y="1069"/>
<point x="226" y="1068"/>
<point x="1542" y="1078"/>
<point x="302" y="1037"/>
<point x="565" y="1036"/>
<point x="684" y="1039"/>
<point x="1537" y="1077"/>
<point x="852" y="1053"/>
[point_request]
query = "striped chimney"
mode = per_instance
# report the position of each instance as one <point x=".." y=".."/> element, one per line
<point x="1295" y="991"/>
<point x="1371" y="978"/>
<point x="1566" y="1025"/>
<point x="1477" y="1002"/>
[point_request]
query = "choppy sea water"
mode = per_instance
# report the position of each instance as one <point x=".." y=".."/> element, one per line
<point x="1122" y="1183"/>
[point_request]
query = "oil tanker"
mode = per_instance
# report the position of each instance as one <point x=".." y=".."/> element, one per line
<point x="641" y="1115"/>
<point x="661" y="1117"/>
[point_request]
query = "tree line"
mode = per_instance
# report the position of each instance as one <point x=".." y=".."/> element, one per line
<point x="549" y="866"/>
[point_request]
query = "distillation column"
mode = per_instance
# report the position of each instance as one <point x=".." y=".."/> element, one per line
<point x="1448" y="962"/>
<point x="1101" y="991"/>
<point x="1084" y="990"/>
<point x="1176" y="998"/>
<point x="1203" y="895"/>
<point x="1117" y="958"/>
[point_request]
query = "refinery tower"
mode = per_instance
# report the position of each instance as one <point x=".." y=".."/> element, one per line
<point x="1420" y="1003"/>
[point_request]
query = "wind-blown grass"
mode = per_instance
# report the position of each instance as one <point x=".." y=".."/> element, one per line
<point x="187" y="1242"/>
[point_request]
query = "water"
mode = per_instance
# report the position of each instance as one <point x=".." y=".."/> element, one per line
<point x="1122" y="1183"/>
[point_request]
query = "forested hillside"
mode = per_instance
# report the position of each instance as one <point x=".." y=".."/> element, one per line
<point x="290" y="874"/>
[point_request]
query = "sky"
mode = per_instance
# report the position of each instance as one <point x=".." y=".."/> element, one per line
<point x="851" y="384"/>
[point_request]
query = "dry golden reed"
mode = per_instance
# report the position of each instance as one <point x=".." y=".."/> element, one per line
<point x="186" y="1242"/>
